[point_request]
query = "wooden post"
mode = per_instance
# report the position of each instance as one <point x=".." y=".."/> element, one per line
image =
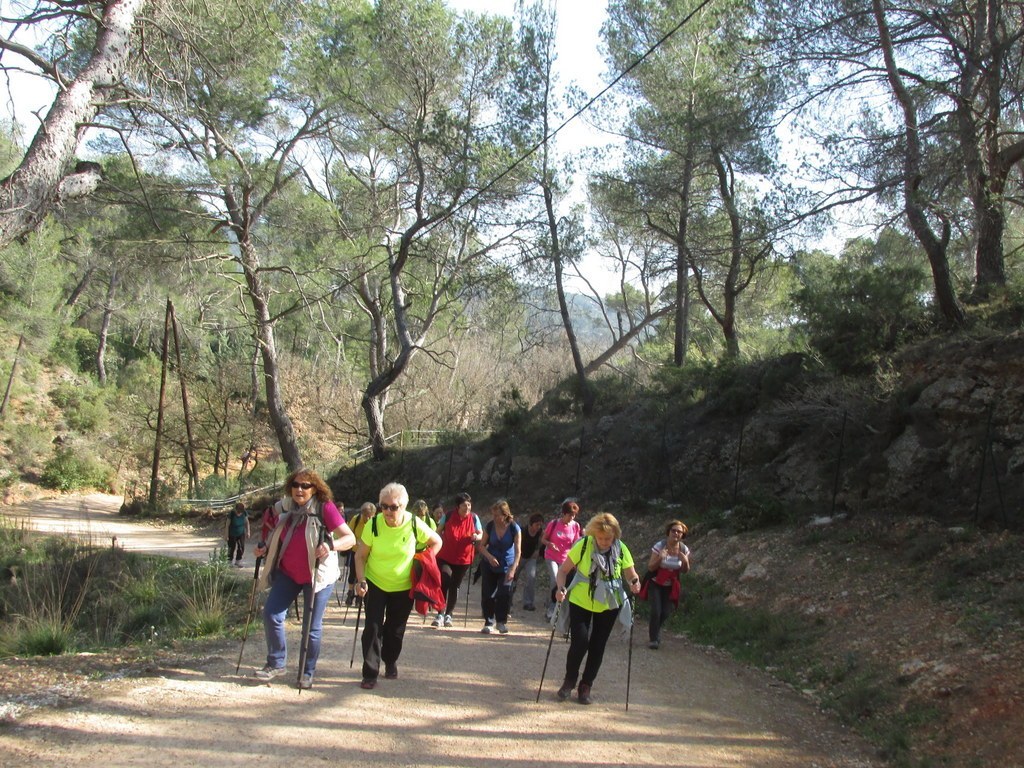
<point x="153" y="478"/>
<point x="190" y="451"/>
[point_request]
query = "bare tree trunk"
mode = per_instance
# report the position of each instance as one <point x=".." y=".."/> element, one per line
<point x="10" y="379"/>
<point x="108" y="313"/>
<point x="934" y="245"/>
<point x="586" y="391"/>
<point x="41" y="179"/>
<point x="681" y="329"/>
<point x="727" y="318"/>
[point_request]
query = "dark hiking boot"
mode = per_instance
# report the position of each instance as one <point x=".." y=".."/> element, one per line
<point x="566" y="690"/>
<point x="584" y="694"/>
<point x="350" y="598"/>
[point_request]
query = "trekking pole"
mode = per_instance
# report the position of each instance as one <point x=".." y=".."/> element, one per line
<point x="551" y="641"/>
<point x="248" y="617"/>
<point x="355" y="636"/>
<point x="308" y="595"/>
<point x="343" y="579"/>
<point x="629" y="658"/>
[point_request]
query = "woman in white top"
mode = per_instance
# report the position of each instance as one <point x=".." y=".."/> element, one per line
<point x="670" y="558"/>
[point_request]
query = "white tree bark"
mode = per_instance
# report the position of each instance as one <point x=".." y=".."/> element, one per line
<point x="27" y="195"/>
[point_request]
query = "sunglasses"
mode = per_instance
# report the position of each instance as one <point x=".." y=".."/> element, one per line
<point x="391" y="507"/>
<point x="303" y="486"/>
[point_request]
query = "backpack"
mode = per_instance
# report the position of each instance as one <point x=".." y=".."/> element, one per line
<point x="426" y="576"/>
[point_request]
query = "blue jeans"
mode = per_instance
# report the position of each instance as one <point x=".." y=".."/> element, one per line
<point x="282" y="594"/>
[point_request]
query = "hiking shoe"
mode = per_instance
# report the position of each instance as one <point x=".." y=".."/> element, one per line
<point x="566" y="690"/>
<point x="583" y="694"/>
<point x="549" y="614"/>
<point x="654" y="645"/>
<point x="367" y="684"/>
<point x="268" y="673"/>
<point x="305" y="682"/>
<point x="350" y="598"/>
<point x="488" y="629"/>
<point x="502" y="628"/>
<point x="447" y="619"/>
<point x="438" y="621"/>
<point x="391" y="673"/>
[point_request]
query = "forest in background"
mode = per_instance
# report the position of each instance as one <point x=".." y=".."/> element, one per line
<point x="324" y="224"/>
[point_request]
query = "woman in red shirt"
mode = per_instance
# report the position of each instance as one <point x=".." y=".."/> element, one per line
<point x="460" y="530"/>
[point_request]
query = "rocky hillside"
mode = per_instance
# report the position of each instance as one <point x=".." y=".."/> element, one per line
<point x="885" y="513"/>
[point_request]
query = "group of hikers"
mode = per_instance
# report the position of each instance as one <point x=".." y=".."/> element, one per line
<point x="400" y="556"/>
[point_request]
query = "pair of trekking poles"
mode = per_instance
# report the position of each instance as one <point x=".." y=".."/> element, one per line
<point x="307" y="617"/>
<point x="551" y="641"/>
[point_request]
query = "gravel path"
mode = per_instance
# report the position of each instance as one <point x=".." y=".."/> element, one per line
<point x="462" y="699"/>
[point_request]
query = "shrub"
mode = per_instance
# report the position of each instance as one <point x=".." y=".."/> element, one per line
<point x="76" y="349"/>
<point x="41" y="637"/>
<point x="29" y="443"/>
<point x="68" y="471"/>
<point x="82" y="404"/>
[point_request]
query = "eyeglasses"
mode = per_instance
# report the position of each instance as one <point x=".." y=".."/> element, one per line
<point x="390" y="507"/>
<point x="303" y="486"/>
<point x="677" y="530"/>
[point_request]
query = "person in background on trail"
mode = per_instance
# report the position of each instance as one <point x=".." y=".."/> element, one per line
<point x="421" y="509"/>
<point x="300" y="558"/>
<point x="597" y="598"/>
<point x="670" y="558"/>
<point x="559" y="535"/>
<point x="366" y="512"/>
<point x="500" y="549"/>
<point x="530" y="553"/>
<point x="268" y="523"/>
<point x="384" y="559"/>
<point x="236" y="531"/>
<point x="460" y="530"/>
<point x="438" y="514"/>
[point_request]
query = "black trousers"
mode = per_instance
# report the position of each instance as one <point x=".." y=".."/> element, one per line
<point x="386" y="614"/>
<point x="451" y="580"/>
<point x="588" y="635"/>
<point x="494" y="596"/>
<point x="658" y="597"/>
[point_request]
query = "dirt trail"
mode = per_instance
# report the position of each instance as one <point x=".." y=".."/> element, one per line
<point x="462" y="699"/>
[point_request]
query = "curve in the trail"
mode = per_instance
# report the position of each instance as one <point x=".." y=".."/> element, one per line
<point x="96" y="519"/>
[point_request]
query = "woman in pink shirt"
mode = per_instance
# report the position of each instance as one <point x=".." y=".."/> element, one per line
<point x="558" y="538"/>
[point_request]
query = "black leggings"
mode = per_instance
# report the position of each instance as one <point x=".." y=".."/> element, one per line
<point x="451" y="580"/>
<point x="588" y="635"/>
<point x="236" y="548"/>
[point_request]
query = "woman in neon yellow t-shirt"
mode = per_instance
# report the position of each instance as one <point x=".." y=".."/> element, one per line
<point x="384" y="558"/>
<point x="597" y="596"/>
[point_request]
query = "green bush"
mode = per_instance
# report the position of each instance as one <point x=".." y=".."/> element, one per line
<point x="29" y="443"/>
<point x="68" y="471"/>
<point x="44" y="637"/>
<point x="75" y="348"/>
<point x="83" y="405"/>
<point x="863" y="304"/>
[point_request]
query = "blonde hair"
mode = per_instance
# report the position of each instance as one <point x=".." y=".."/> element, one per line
<point x="502" y="507"/>
<point x="603" y="522"/>
<point x="420" y="508"/>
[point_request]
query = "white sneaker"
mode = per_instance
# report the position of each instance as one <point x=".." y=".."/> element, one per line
<point x="306" y="682"/>
<point x="502" y="629"/>
<point x="488" y="629"/>
<point x="447" y="619"/>
<point x="438" y="621"/>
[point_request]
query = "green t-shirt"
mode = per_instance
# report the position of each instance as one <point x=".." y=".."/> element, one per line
<point x="580" y="594"/>
<point x="389" y="564"/>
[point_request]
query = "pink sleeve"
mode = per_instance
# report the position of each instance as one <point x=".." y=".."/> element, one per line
<point x="333" y="519"/>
